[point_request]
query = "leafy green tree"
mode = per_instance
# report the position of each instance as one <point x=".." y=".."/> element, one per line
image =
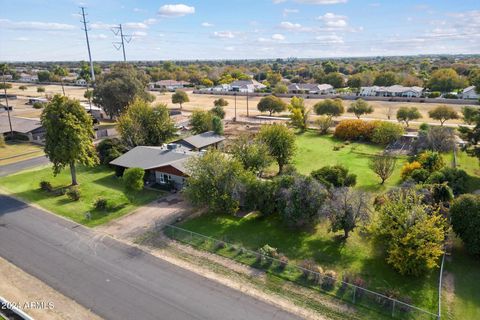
<point x="330" y="108"/>
<point x="456" y="179"/>
<point x="216" y="181"/>
<point x="44" y="76"/>
<point x="271" y="104"/>
<point x="116" y="90"/>
<point x="346" y="208"/>
<point x="88" y="95"/>
<point x="303" y="201"/>
<point x="335" y="79"/>
<point x="280" y="88"/>
<point x="334" y="176"/>
<point x="85" y="73"/>
<point x="60" y="72"/>
<point x="385" y="79"/>
<point x="360" y="107"/>
<point x="218" y="111"/>
<point x="68" y="135"/>
<point x="220" y="102"/>
<point x="470" y="114"/>
<point x="206" y="82"/>
<point x="383" y="166"/>
<point x="407" y="114"/>
<point x="110" y="149"/>
<point x="465" y="213"/>
<point x="280" y="141"/>
<point x="411" y="231"/>
<point x="274" y="78"/>
<point x="5" y="86"/>
<point x="385" y="133"/>
<point x="431" y="160"/>
<point x="298" y="114"/>
<point x="217" y="125"/>
<point x="324" y="123"/>
<point x="443" y="113"/>
<point x="201" y="121"/>
<point x="472" y="136"/>
<point x="133" y="179"/>
<point x="329" y="66"/>
<point x="180" y="97"/>
<point x="446" y="80"/>
<point x="254" y="155"/>
<point x="141" y="124"/>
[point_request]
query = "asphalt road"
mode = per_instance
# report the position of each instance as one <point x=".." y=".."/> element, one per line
<point x="114" y="280"/>
<point x="22" y="165"/>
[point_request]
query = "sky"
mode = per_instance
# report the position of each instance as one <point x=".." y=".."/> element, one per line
<point x="50" y="30"/>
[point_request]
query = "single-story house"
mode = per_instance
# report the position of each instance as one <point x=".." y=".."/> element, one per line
<point x="35" y="100"/>
<point x="25" y="77"/>
<point x="170" y="85"/>
<point x="470" y="93"/>
<point x="95" y="111"/>
<point x="6" y="77"/>
<point x="311" y="88"/>
<point x="30" y="128"/>
<point x="221" y="88"/>
<point x="201" y="141"/>
<point x="246" y="85"/>
<point x="392" y="91"/>
<point x="164" y="165"/>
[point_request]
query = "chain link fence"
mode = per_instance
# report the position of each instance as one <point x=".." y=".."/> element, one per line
<point x="309" y="276"/>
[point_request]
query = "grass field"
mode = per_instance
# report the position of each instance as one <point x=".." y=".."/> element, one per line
<point x="94" y="182"/>
<point x="315" y="151"/>
<point x="18" y="151"/>
<point x="356" y="256"/>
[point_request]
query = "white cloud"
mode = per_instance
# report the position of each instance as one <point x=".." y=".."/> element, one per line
<point x="150" y="21"/>
<point x="230" y="48"/>
<point x="34" y="25"/>
<point x="138" y="10"/>
<point x="290" y="25"/>
<point x="22" y="39"/>
<point x="224" y="34"/>
<point x="175" y="10"/>
<point x="333" y="20"/>
<point x="286" y="12"/>
<point x="278" y="1"/>
<point x="135" y="25"/>
<point x="278" y="37"/>
<point x="138" y="34"/>
<point x="207" y="24"/>
<point x="331" y="38"/>
<point x="98" y="36"/>
<point x="102" y="25"/>
<point x="321" y="1"/>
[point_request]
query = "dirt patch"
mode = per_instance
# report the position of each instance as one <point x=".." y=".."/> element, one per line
<point x="18" y="286"/>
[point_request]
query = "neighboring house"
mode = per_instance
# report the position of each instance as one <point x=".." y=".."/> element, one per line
<point x="311" y="88"/>
<point x="163" y="165"/>
<point x="470" y="93"/>
<point x="221" y="88"/>
<point x="25" y="77"/>
<point x="392" y="91"/>
<point x="81" y="82"/>
<point x="6" y="77"/>
<point x="169" y="85"/>
<point x="32" y="129"/>
<point x="95" y="111"/>
<point x="201" y="141"/>
<point x="34" y="100"/>
<point x="246" y="86"/>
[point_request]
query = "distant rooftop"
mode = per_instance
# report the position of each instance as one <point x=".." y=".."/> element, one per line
<point x="21" y="125"/>
<point x="203" y="140"/>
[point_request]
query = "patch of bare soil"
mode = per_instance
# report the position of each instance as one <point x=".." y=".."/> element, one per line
<point x="18" y="287"/>
<point x="208" y="265"/>
<point x="448" y="291"/>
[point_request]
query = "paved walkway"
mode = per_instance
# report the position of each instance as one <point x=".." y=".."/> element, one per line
<point x="162" y="211"/>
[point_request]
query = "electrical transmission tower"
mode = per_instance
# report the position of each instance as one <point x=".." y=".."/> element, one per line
<point x="85" y="28"/>
<point x="123" y="37"/>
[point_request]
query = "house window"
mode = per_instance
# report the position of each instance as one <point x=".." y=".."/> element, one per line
<point x="165" y="178"/>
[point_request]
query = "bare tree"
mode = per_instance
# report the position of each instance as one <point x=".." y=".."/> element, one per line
<point x="383" y="165"/>
<point x="346" y="208"/>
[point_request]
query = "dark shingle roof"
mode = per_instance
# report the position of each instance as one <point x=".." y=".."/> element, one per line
<point x="152" y="157"/>
<point x="203" y="140"/>
<point x="21" y="125"/>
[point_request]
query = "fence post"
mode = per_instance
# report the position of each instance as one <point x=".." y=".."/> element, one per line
<point x="354" y="292"/>
<point x="393" y="309"/>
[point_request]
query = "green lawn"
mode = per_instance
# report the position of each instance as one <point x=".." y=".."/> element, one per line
<point x="464" y="272"/>
<point x="472" y="167"/>
<point x="94" y="182"/>
<point x="357" y="255"/>
<point x="315" y="151"/>
<point x="16" y="151"/>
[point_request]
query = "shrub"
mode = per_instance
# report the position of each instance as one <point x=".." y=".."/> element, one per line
<point x="2" y="140"/>
<point x="334" y="176"/>
<point x="268" y="251"/>
<point x="100" y="203"/>
<point x="283" y="262"/>
<point x="324" y="123"/>
<point x="408" y="168"/>
<point x="73" y="193"/>
<point x="434" y="94"/>
<point x="355" y="129"/>
<point x="465" y="213"/>
<point x="431" y="161"/>
<point x="419" y="175"/>
<point x="307" y="265"/>
<point x="40" y="89"/>
<point x="109" y="149"/>
<point x="218" y="111"/>
<point x="220" y="245"/>
<point x="424" y="126"/>
<point x="38" y="105"/>
<point x="133" y="179"/>
<point x="46" y="186"/>
<point x="329" y="280"/>
<point x="456" y="179"/>
<point x="386" y="133"/>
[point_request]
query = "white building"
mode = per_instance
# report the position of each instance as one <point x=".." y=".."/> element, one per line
<point x="470" y="93"/>
<point x="81" y="82"/>
<point x="311" y="88"/>
<point x="25" y="77"/>
<point x="392" y="91"/>
<point x="222" y="88"/>
<point x="170" y="85"/>
<point x="246" y="85"/>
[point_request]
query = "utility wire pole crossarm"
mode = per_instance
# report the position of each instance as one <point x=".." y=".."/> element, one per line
<point x="123" y="37"/>
<point x="85" y="28"/>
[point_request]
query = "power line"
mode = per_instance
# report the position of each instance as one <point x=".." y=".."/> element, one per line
<point x="123" y="37"/>
<point x="85" y="28"/>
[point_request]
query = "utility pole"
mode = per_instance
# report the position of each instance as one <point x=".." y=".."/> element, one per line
<point x="6" y="101"/>
<point x="123" y="37"/>
<point x="235" y="118"/>
<point x="247" y="104"/>
<point x="88" y="44"/>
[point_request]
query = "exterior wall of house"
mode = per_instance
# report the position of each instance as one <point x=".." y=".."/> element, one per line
<point x="168" y="174"/>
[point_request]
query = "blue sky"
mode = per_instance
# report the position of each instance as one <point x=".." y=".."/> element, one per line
<point x="233" y="29"/>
